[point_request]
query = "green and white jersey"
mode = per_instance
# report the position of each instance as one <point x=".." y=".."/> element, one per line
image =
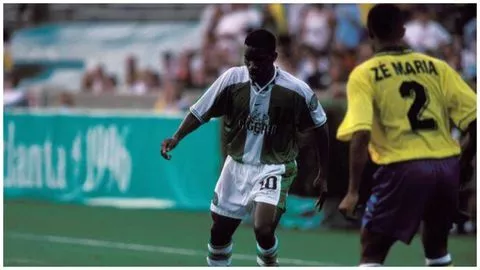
<point x="261" y="123"/>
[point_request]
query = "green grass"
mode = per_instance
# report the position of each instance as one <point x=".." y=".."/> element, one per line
<point x="44" y="234"/>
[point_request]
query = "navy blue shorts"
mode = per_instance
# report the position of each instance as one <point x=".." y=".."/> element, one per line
<point x="406" y="193"/>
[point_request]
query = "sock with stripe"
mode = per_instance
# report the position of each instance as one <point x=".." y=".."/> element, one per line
<point x="267" y="257"/>
<point x="219" y="255"/>
<point x="442" y="261"/>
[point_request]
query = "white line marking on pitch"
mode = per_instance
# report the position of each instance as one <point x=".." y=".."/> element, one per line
<point x="24" y="261"/>
<point x="147" y="248"/>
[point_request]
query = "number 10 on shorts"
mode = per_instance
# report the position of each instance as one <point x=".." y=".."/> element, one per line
<point x="269" y="183"/>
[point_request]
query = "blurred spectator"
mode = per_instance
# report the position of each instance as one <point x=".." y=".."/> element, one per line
<point x="110" y="84"/>
<point x="276" y="14"/>
<point x="131" y="72"/>
<point x="314" y="71"/>
<point x="168" y="64"/>
<point x="147" y="81"/>
<point x="184" y="72"/>
<point x="96" y="80"/>
<point x="337" y="75"/>
<point x="171" y="100"/>
<point x="317" y="29"/>
<point x="65" y="101"/>
<point x="13" y="96"/>
<point x="197" y="70"/>
<point x="470" y="32"/>
<point x="349" y="29"/>
<point x="152" y="80"/>
<point x="232" y="27"/>
<point x="207" y="61"/>
<point x="269" y="22"/>
<point x="469" y="53"/>
<point x="287" y="58"/>
<point x="209" y="19"/>
<point x="295" y="15"/>
<point x="7" y="57"/>
<point x="450" y="55"/>
<point x="424" y="34"/>
<point x="138" y="81"/>
<point x="212" y="61"/>
<point x="237" y="20"/>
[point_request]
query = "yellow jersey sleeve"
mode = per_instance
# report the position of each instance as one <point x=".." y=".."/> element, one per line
<point x="461" y="99"/>
<point x="359" y="106"/>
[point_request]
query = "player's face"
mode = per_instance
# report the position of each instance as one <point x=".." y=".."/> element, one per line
<point x="259" y="63"/>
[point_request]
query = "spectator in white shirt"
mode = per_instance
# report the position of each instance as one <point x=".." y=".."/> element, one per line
<point x="317" y="28"/>
<point x="232" y="28"/>
<point x="424" y="34"/>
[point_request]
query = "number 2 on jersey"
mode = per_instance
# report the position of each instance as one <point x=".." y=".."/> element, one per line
<point x="414" y="89"/>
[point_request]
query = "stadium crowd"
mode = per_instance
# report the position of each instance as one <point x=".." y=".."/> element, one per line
<point x="319" y="43"/>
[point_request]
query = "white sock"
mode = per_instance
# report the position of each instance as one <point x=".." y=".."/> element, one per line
<point x="266" y="257"/>
<point x="219" y="256"/>
<point x="442" y="261"/>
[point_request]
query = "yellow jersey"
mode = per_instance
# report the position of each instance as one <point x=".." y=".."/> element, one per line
<point x="408" y="101"/>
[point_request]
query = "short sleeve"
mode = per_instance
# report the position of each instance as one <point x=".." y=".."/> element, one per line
<point x="461" y="99"/>
<point x="311" y="113"/>
<point x="213" y="102"/>
<point x="359" y="106"/>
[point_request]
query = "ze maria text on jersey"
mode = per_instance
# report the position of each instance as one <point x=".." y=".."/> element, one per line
<point x="399" y="68"/>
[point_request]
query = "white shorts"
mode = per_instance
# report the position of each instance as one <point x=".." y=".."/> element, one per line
<point x="241" y="184"/>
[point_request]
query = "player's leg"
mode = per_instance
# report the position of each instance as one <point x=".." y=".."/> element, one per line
<point x="395" y="208"/>
<point x="270" y="195"/>
<point x="266" y="219"/>
<point x="440" y="213"/>
<point x="220" y="245"/>
<point x="375" y="247"/>
<point x="228" y="207"/>
<point x="435" y="243"/>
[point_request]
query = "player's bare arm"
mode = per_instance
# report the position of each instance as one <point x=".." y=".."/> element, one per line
<point x="358" y="154"/>
<point x="321" y="142"/>
<point x="189" y="124"/>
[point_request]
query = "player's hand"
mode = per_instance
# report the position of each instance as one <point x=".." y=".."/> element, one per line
<point x="320" y="183"/>
<point x="348" y="206"/>
<point x="167" y="146"/>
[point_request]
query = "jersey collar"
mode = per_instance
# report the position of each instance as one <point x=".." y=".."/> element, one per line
<point x="393" y="50"/>
<point x="272" y="81"/>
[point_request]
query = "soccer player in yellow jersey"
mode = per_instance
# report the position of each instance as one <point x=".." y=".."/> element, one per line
<point x="400" y="107"/>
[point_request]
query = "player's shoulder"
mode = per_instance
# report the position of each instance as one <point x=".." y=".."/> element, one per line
<point x="427" y="57"/>
<point x="439" y="66"/>
<point x="237" y="74"/>
<point x="292" y="83"/>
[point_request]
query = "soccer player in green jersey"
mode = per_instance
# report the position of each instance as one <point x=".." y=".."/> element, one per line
<point x="263" y="109"/>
